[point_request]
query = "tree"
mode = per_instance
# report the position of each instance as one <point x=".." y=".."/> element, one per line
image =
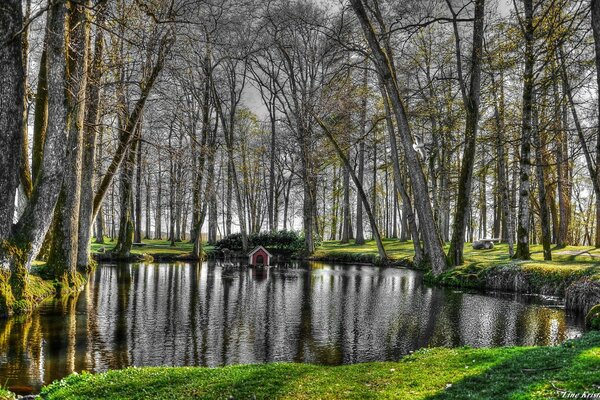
<point x="524" y="218"/>
<point x="471" y="97"/>
<point x="383" y="60"/>
<point x="21" y="246"/>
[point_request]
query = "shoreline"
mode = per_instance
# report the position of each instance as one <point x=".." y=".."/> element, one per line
<point x="580" y="290"/>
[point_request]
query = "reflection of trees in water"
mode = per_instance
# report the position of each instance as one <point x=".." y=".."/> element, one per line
<point x="196" y="315"/>
<point x="120" y="343"/>
<point x="20" y="339"/>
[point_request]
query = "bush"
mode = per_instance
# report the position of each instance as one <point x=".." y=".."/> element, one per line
<point x="281" y="242"/>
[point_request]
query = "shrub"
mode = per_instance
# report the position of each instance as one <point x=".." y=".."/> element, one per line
<point x="281" y="242"/>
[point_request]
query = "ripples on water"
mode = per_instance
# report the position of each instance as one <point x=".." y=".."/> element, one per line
<point x="192" y="314"/>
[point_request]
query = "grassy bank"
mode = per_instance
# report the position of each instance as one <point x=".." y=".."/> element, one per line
<point x="438" y="373"/>
<point x="158" y="250"/>
<point x="484" y="268"/>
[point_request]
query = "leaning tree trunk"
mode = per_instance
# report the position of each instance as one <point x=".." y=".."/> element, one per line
<point x="383" y="59"/>
<point x="359" y="188"/>
<point x="25" y="168"/>
<point x="407" y="208"/>
<point x="524" y="220"/>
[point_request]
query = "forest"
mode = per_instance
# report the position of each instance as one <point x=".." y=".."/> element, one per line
<point x="432" y="124"/>
<point x="443" y="122"/>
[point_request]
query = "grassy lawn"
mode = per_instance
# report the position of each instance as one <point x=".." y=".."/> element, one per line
<point x="438" y="373"/>
<point x="571" y="255"/>
<point x="568" y="261"/>
<point x="162" y="247"/>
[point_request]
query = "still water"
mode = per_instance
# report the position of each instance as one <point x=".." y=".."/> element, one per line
<point x="211" y="315"/>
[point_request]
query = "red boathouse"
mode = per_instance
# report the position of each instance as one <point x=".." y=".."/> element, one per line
<point x="259" y="256"/>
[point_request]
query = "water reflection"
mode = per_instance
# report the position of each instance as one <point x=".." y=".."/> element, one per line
<point x="192" y="314"/>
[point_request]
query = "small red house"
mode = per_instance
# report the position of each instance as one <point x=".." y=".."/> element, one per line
<point x="259" y="256"/>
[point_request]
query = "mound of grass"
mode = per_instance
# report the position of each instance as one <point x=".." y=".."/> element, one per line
<point x="438" y="373"/>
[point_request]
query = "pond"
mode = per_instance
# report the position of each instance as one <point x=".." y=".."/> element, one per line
<point x="210" y="315"/>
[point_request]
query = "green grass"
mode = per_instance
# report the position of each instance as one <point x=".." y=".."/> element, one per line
<point x="569" y="263"/>
<point x="438" y="373"/>
<point x="160" y="247"/>
<point x="397" y="250"/>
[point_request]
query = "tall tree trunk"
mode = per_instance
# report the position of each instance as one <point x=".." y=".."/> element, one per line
<point x="564" y="182"/>
<point x="137" y="238"/>
<point x="596" y="30"/>
<point x="335" y="201"/>
<point x="92" y="121"/>
<point x="272" y="155"/>
<point x="346" y="227"/>
<point x="360" y="236"/>
<point x="211" y="190"/>
<point x="229" y="201"/>
<point x="471" y="103"/>
<point x="100" y="227"/>
<point x="12" y="81"/>
<point x="63" y="252"/>
<point x="228" y="131"/>
<point x="25" y="168"/>
<point x="407" y="208"/>
<point x="158" y="214"/>
<point x="40" y="117"/>
<point x="126" y="228"/>
<point x="172" y="189"/>
<point x="30" y="230"/>
<point x="524" y="219"/>
<point x="148" y="206"/>
<point x="507" y="216"/>
<point x="383" y="59"/>
<point x="541" y="181"/>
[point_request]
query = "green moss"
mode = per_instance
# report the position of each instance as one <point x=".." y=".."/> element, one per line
<point x="6" y="296"/>
<point x="592" y="319"/>
<point x="20" y="291"/>
<point x="13" y="283"/>
<point x="435" y="373"/>
<point x="69" y="283"/>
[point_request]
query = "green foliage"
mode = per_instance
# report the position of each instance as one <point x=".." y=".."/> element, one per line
<point x="444" y="373"/>
<point x="282" y="242"/>
<point x="469" y="276"/>
<point x="6" y="394"/>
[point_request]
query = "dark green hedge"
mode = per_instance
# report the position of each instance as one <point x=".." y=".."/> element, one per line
<point x="281" y="242"/>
